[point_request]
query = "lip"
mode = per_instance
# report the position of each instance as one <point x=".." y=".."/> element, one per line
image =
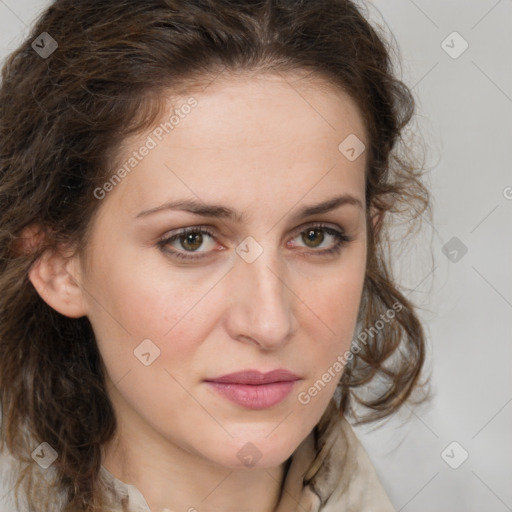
<point x="256" y="377"/>
<point x="255" y="390"/>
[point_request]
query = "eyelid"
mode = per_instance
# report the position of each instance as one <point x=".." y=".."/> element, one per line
<point x="317" y="224"/>
<point x="339" y="233"/>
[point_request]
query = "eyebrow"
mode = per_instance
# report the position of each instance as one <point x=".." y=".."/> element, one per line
<point x="223" y="212"/>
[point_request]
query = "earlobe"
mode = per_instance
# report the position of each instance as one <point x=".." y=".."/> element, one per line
<point x="54" y="276"/>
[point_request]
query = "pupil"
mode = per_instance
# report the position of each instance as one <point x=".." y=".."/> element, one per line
<point x="189" y="241"/>
<point x="311" y="236"/>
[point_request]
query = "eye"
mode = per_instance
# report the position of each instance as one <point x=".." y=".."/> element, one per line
<point x="314" y="236"/>
<point x="189" y="240"/>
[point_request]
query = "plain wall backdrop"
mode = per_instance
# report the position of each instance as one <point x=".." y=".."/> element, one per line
<point x="453" y="454"/>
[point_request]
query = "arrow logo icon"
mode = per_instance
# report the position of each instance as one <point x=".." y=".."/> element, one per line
<point x="249" y="249"/>
<point x="454" y="455"/>
<point x="352" y="147"/>
<point x="249" y="454"/>
<point x="454" y="249"/>
<point x="146" y="352"/>
<point x="454" y="45"/>
<point x="44" y="45"/>
<point x="44" y="455"/>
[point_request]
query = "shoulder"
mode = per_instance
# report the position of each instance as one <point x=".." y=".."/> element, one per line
<point x="42" y="478"/>
<point x="358" y="487"/>
<point x="121" y="496"/>
<point x="341" y="475"/>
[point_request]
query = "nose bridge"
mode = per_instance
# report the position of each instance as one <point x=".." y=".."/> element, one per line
<point x="264" y="304"/>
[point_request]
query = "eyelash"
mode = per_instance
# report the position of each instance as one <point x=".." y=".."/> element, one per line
<point x="341" y="240"/>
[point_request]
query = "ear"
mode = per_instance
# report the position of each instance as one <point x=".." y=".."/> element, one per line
<point x="56" y="276"/>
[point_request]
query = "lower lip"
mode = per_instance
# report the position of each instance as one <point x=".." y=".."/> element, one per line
<point x="259" y="396"/>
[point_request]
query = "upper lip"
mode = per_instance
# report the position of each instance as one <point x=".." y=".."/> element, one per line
<point x="256" y="377"/>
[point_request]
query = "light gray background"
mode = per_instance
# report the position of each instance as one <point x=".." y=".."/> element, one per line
<point x="465" y="115"/>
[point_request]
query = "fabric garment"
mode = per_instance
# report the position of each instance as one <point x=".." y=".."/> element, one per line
<point x="333" y="466"/>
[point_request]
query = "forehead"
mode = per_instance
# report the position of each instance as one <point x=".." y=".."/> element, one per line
<point x="249" y="100"/>
<point x="248" y="135"/>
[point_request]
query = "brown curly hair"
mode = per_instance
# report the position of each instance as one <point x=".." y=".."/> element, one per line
<point x="62" y="117"/>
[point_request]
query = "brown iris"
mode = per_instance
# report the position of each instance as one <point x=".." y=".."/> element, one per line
<point x="191" y="241"/>
<point x="310" y="235"/>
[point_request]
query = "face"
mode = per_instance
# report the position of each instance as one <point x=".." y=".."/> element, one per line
<point x="254" y="283"/>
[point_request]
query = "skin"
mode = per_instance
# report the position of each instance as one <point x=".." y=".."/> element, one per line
<point x="265" y="145"/>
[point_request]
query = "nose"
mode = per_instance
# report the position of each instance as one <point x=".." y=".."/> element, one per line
<point x="262" y="303"/>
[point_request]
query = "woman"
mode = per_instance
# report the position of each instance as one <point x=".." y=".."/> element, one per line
<point x="194" y="290"/>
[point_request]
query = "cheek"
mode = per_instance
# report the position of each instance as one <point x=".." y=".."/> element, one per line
<point x="330" y="331"/>
<point x="144" y="295"/>
<point x="333" y="305"/>
<point x="334" y="301"/>
<point x="171" y="309"/>
<point x="331" y="335"/>
<point x="338" y="302"/>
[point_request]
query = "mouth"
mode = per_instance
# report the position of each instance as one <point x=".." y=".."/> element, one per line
<point x="253" y="389"/>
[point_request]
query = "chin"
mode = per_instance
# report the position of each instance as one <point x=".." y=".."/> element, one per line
<point x="256" y="451"/>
